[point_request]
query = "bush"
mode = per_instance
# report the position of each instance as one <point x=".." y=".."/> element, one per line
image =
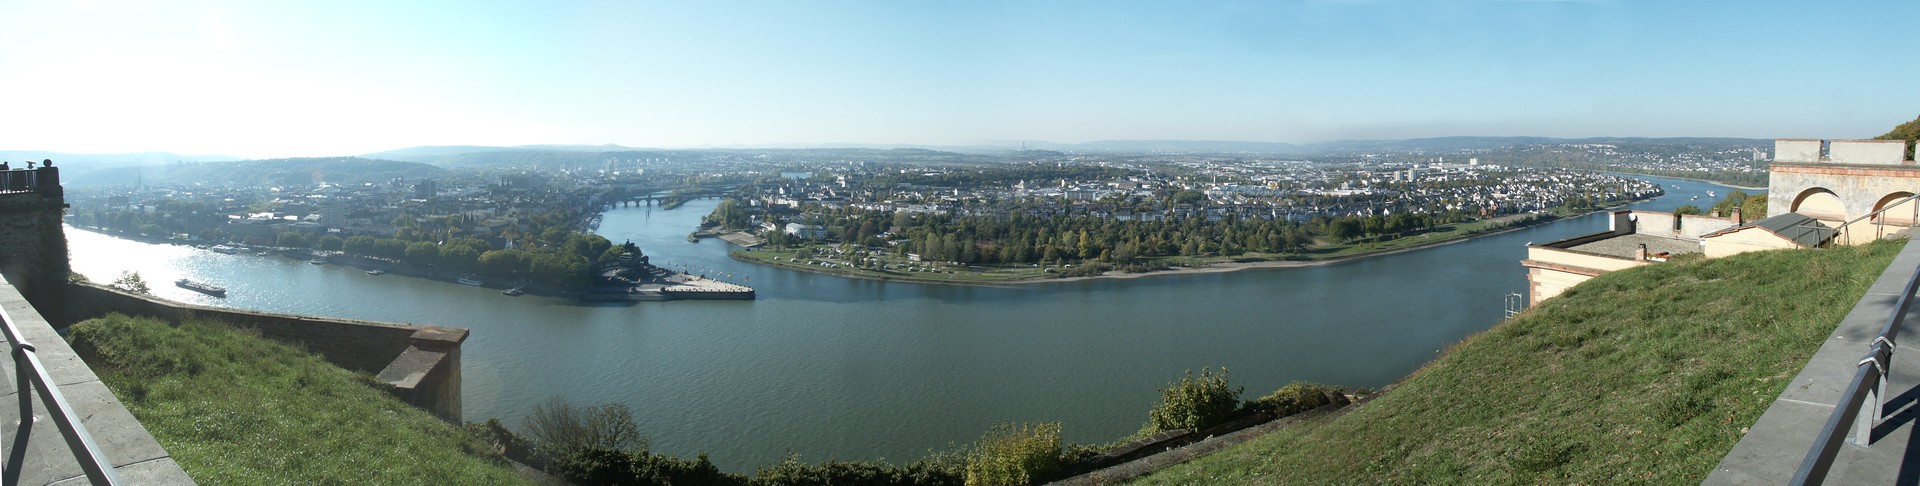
<point x="925" y="472"/>
<point x="611" y="466"/>
<point x="1300" y="397"/>
<point x="1010" y="455"/>
<point x="558" y="430"/>
<point x="1195" y="403"/>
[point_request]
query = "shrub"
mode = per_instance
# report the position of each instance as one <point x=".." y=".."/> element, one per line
<point x="638" y="467"/>
<point x="1010" y="455"/>
<point x="1300" y="397"/>
<point x="558" y="430"/>
<point x="1195" y="403"/>
<point x="925" y="472"/>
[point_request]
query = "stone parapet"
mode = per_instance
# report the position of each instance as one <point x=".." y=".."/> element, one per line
<point x="420" y="364"/>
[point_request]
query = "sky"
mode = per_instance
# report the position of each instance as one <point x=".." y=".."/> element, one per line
<point x="267" y="78"/>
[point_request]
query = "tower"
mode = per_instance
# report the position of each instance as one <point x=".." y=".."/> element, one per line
<point x="33" y="247"/>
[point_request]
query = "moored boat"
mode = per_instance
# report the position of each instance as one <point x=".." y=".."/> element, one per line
<point x="201" y="287"/>
<point x="224" y="249"/>
<point x="471" y="280"/>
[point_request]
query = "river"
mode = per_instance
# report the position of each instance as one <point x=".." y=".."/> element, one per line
<point x="836" y="368"/>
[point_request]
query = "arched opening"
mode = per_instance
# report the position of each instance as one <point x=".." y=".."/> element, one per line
<point x="1899" y="211"/>
<point x="1822" y="204"/>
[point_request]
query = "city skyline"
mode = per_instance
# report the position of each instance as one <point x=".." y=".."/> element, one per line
<point x="248" y="80"/>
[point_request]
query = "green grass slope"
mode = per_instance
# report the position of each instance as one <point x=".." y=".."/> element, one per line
<point x="1645" y="376"/>
<point x="234" y="408"/>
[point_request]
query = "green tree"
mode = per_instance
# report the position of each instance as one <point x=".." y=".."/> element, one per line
<point x="1909" y="131"/>
<point x="422" y="253"/>
<point x="389" y="248"/>
<point x="131" y="282"/>
<point x="1195" y="403"/>
<point x="291" y="240"/>
<point x="1687" y="209"/>
<point x="460" y="258"/>
<point x="331" y="243"/>
<point x="359" y="245"/>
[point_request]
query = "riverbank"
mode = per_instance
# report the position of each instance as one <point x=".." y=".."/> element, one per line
<point x="664" y="287"/>
<point x="1001" y="275"/>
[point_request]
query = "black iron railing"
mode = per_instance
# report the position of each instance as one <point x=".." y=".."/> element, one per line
<point x="31" y="380"/>
<point x="1860" y="405"/>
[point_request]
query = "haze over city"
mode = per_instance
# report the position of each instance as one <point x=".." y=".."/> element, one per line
<point x="253" y="79"/>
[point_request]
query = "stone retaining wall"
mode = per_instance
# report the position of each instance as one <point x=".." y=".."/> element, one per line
<point x="421" y="364"/>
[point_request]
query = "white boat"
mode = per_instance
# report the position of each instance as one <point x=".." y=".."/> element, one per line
<point x="201" y="287"/>
<point x="376" y="272"/>
<point x="471" y="280"/>
<point x="224" y="249"/>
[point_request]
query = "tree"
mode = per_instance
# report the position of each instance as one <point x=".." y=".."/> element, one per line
<point x="358" y="245"/>
<point x="391" y="249"/>
<point x="460" y="258"/>
<point x="1909" y="131"/>
<point x="558" y="429"/>
<point x="291" y="240"/>
<point x="1687" y="209"/>
<point x="130" y="281"/>
<point x="422" y="253"/>
<point x="331" y="243"/>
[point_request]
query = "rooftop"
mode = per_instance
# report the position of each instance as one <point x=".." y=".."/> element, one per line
<point x="1624" y="246"/>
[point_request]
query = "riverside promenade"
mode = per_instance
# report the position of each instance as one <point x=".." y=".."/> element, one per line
<point x="1773" y="448"/>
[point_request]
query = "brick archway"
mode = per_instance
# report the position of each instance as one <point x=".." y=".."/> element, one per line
<point x="1820" y="203"/>
<point x="1904" y="214"/>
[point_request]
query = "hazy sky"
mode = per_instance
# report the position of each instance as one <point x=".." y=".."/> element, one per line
<point x="261" y="78"/>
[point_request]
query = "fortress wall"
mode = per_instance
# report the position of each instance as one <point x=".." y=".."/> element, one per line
<point x="421" y="364"/>
<point x="1797" y="150"/>
<point x="1868" y="152"/>
<point x="33" y="250"/>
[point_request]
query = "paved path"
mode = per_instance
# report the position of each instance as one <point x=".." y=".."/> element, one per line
<point x="1772" y="450"/>
<point x="40" y="455"/>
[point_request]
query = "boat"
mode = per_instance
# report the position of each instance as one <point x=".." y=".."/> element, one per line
<point x="202" y="287"/>
<point x="1710" y="194"/>
<point x="224" y="249"/>
<point x="265" y="253"/>
<point x="470" y="280"/>
<point x="376" y="271"/>
<point x="318" y="261"/>
<point x="516" y="290"/>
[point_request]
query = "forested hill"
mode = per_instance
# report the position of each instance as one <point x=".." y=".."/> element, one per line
<point x="1909" y="131"/>
<point x="277" y="172"/>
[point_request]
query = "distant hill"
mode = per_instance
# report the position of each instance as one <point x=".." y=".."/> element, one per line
<point x="101" y="169"/>
<point x="122" y="160"/>
<point x="1180" y="146"/>
<point x="277" y="172"/>
<point x="1447" y="144"/>
<point x="569" y="156"/>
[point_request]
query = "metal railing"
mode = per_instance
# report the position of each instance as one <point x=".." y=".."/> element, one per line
<point x="1860" y="405"/>
<point x="1843" y="234"/>
<point x="32" y="379"/>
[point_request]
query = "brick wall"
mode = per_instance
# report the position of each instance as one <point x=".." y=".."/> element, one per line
<point x="420" y="364"/>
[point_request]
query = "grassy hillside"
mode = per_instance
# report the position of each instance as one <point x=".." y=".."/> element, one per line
<point x="1642" y="376"/>
<point x="234" y="408"/>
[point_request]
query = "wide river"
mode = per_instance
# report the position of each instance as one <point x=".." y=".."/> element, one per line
<point x="836" y="368"/>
